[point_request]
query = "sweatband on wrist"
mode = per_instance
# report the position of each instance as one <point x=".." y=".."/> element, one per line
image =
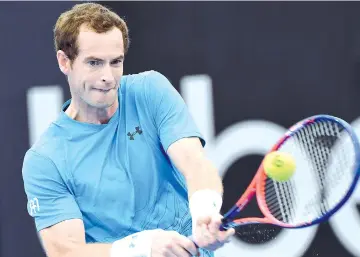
<point x="205" y="202"/>
<point x="135" y="245"/>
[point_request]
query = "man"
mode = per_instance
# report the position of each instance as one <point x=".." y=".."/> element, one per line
<point x="113" y="174"/>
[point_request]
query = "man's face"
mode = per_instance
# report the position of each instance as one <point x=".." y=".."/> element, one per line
<point x="95" y="74"/>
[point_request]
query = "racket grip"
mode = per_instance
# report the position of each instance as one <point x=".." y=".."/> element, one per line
<point x="222" y="228"/>
<point x="223" y="225"/>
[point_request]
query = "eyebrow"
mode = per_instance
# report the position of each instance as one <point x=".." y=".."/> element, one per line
<point x="121" y="57"/>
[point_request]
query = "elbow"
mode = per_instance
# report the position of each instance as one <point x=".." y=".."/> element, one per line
<point x="62" y="251"/>
<point x="70" y="253"/>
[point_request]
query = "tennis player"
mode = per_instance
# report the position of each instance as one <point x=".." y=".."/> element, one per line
<point x="121" y="172"/>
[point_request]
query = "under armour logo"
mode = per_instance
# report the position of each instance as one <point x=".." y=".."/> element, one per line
<point x="138" y="131"/>
<point x="132" y="243"/>
<point x="34" y="206"/>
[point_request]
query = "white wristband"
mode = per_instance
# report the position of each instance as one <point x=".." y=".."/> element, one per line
<point x="205" y="202"/>
<point x="135" y="245"/>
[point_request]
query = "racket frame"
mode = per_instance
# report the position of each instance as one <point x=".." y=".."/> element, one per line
<point x="255" y="187"/>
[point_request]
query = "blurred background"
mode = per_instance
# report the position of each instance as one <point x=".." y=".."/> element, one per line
<point x="247" y="70"/>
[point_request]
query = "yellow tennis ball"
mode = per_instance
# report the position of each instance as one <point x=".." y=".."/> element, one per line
<point x="279" y="166"/>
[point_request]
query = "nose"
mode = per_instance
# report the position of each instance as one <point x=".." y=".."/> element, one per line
<point x="107" y="75"/>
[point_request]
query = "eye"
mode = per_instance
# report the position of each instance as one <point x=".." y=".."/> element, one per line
<point x="116" y="62"/>
<point x="94" y="63"/>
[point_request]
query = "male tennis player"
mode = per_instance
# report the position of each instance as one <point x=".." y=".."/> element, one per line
<point x="122" y="171"/>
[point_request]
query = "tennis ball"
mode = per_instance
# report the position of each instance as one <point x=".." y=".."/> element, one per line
<point x="279" y="166"/>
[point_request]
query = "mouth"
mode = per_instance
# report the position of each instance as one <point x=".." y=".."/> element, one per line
<point x="103" y="90"/>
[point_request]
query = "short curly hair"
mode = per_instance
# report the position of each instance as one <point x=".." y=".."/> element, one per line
<point x="97" y="17"/>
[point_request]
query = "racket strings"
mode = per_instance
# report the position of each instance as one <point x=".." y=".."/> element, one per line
<point x="319" y="140"/>
<point x="324" y="158"/>
<point x="280" y="200"/>
<point x="326" y="137"/>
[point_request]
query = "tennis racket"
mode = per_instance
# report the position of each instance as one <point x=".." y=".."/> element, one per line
<point x="327" y="155"/>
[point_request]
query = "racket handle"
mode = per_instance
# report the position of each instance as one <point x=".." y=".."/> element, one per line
<point x="222" y="228"/>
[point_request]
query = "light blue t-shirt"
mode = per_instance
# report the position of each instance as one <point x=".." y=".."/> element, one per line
<point x="116" y="177"/>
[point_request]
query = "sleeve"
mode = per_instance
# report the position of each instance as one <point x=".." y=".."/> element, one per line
<point x="48" y="199"/>
<point x="172" y="117"/>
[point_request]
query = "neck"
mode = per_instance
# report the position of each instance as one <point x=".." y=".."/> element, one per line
<point x="82" y="112"/>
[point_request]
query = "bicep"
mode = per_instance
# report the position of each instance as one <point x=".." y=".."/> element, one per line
<point x="187" y="154"/>
<point x="61" y="238"/>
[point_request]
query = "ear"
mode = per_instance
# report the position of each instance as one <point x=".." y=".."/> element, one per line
<point x="63" y="61"/>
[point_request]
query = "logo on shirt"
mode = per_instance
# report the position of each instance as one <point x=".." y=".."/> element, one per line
<point x="132" y="135"/>
<point x="34" y="206"/>
<point x="132" y="242"/>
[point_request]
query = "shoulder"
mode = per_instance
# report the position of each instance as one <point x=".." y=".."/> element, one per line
<point x="45" y="159"/>
<point x="144" y="81"/>
<point x="47" y="147"/>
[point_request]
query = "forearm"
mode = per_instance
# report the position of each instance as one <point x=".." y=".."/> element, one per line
<point x="91" y="250"/>
<point x="203" y="175"/>
<point x="138" y="244"/>
<point x="203" y="181"/>
<point x="204" y="190"/>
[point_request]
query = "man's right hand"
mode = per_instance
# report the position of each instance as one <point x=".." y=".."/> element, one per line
<point x="172" y="244"/>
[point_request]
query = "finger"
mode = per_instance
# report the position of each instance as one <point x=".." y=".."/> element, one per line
<point x="188" y="245"/>
<point x="169" y="253"/>
<point x="203" y="220"/>
<point x="178" y="251"/>
<point x="214" y="226"/>
<point x="231" y="232"/>
<point x="204" y="237"/>
<point x="224" y="236"/>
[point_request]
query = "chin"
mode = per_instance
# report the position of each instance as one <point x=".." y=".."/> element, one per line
<point x="103" y="104"/>
<point x="100" y="105"/>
